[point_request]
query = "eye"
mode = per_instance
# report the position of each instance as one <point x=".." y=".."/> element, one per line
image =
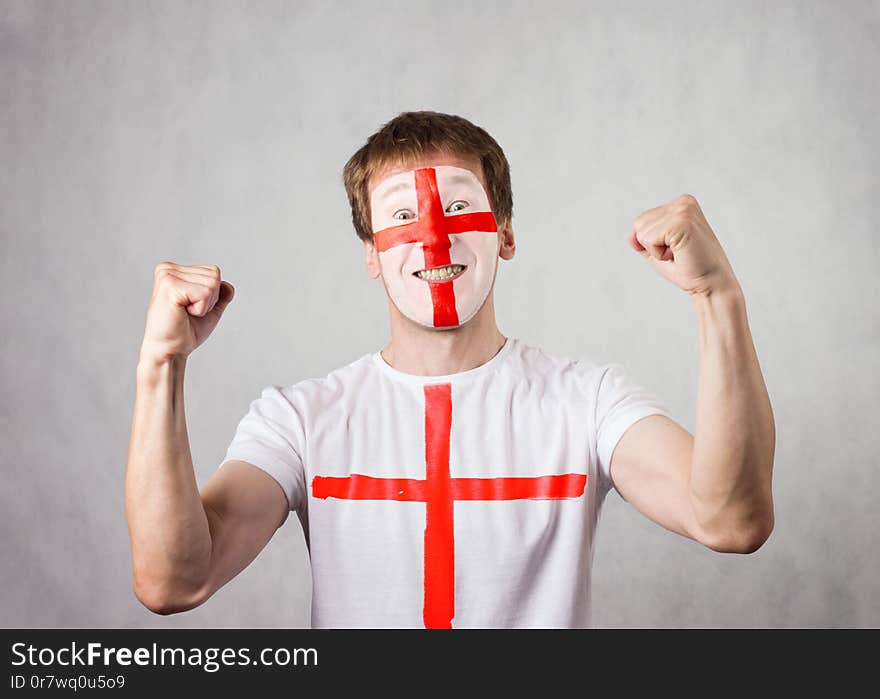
<point x="403" y="214"/>
<point x="457" y="205"/>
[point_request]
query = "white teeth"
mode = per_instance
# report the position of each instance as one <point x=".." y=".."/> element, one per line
<point x="440" y="273"/>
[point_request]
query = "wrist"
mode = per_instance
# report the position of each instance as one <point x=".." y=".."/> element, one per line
<point x="152" y="367"/>
<point x="721" y="316"/>
<point x="727" y="292"/>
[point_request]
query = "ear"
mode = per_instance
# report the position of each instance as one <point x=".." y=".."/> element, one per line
<point x="374" y="269"/>
<point x="507" y="244"/>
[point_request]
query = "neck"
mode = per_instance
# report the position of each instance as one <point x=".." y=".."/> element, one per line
<point x="425" y="352"/>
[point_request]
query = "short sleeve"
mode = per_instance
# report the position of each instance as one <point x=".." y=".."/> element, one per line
<point x="270" y="436"/>
<point x="621" y="401"/>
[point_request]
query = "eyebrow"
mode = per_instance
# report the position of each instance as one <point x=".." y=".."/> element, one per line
<point x="454" y="179"/>
<point x="461" y="179"/>
<point x="394" y="189"/>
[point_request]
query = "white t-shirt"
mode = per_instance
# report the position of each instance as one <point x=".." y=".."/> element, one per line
<point x="467" y="500"/>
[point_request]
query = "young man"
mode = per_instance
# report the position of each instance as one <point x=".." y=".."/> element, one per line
<point x="455" y="478"/>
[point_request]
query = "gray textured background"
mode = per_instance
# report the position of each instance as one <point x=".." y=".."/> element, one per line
<point x="133" y="132"/>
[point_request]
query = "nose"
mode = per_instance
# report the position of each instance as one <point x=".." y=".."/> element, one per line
<point x="436" y="248"/>
<point x="435" y="238"/>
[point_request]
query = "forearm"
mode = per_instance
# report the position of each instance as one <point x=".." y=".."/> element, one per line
<point x="734" y="444"/>
<point x="168" y="527"/>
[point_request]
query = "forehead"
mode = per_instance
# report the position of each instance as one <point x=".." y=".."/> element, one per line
<point x="463" y="168"/>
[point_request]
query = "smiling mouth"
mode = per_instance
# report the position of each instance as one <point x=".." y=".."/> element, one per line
<point x="441" y="274"/>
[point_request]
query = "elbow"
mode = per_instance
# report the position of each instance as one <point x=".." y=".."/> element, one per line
<point x="157" y="605"/>
<point x="740" y="538"/>
<point x="162" y="600"/>
<point x="730" y="524"/>
<point x="742" y="543"/>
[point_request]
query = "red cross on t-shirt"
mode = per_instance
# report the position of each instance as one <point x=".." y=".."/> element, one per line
<point x="439" y="491"/>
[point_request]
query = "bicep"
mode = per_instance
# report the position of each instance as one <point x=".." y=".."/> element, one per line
<point x="650" y="468"/>
<point x="244" y="506"/>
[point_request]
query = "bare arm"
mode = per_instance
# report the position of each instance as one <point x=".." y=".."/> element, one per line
<point x="735" y="441"/>
<point x="186" y="544"/>
<point x="716" y="486"/>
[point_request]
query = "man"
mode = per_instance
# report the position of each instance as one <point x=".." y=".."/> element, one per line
<point x="455" y="478"/>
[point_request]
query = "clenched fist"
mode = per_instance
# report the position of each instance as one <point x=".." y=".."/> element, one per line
<point x="186" y="306"/>
<point x="679" y="243"/>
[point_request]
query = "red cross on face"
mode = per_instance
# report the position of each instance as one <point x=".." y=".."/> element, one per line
<point x="432" y="229"/>
<point x="439" y="491"/>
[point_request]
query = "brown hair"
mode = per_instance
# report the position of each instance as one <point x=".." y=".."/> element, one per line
<point x="406" y="138"/>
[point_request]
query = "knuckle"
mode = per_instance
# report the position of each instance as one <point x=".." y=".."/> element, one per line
<point x="165" y="279"/>
<point x="162" y="267"/>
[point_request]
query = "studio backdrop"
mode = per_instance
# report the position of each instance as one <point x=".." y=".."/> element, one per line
<point x="215" y="133"/>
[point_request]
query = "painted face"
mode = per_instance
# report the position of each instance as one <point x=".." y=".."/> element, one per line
<point x="437" y="241"/>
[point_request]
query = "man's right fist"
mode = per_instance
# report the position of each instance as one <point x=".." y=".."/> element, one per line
<point x="186" y="306"/>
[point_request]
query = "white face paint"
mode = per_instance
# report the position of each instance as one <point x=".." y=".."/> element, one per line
<point x="437" y="243"/>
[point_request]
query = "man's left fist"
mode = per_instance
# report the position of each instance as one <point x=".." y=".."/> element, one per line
<point x="679" y="243"/>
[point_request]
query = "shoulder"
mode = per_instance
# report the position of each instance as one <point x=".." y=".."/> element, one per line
<point x="536" y="363"/>
<point x="309" y="394"/>
<point x="327" y="388"/>
<point x="592" y="376"/>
